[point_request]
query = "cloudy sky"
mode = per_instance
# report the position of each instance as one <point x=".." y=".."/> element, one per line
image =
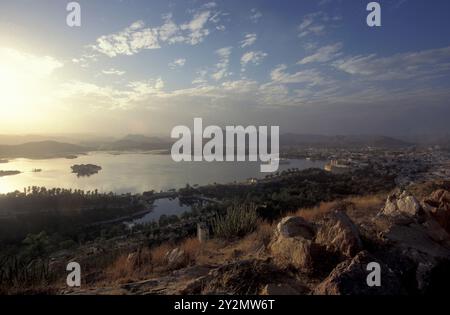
<point x="140" y="66"/>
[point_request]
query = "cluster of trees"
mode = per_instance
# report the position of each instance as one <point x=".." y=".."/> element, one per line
<point x="57" y="210"/>
<point x="295" y="189"/>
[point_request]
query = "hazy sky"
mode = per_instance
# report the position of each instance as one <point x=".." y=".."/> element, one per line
<point x="141" y="66"/>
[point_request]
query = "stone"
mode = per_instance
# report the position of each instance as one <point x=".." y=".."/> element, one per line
<point x="295" y="226"/>
<point x="436" y="232"/>
<point x="278" y="289"/>
<point x="338" y="234"/>
<point x="402" y="204"/>
<point x="295" y="252"/>
<point x="350" y="278"/>
<point x="438" y="205"/>
<point x="176" y="258"/>
<point x="292" y="245"/>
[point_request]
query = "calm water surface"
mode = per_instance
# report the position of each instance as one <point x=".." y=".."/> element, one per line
<point x="132" y="172"/>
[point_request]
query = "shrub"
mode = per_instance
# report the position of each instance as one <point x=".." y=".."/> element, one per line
<point x="237" y="222"/>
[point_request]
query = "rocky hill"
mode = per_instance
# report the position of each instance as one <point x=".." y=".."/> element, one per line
<point x="325" y="252"/>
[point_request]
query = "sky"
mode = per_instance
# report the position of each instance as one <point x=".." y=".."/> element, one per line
<point x="144" y="67"/>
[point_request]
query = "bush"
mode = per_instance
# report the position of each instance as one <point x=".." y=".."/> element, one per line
<point x="238" y="221"/>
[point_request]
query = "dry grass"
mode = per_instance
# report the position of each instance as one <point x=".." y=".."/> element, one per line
<point x="192" y="248"/>
<point x="146" y="262"/>
<point x="356" y="207"/>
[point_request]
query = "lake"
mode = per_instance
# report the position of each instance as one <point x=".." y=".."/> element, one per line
<point x="164" y="206"/>
<point x="132" y="172"/>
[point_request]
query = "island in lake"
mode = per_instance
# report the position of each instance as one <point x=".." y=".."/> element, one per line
<point x="85" y="169"/>
<point x="9" y="173"/>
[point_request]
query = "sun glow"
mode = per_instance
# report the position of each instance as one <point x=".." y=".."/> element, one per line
<point x="25" y="84"/>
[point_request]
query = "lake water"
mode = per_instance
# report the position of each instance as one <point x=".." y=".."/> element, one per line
<point x="162" y="206"/>
<point x="132" y="172"/>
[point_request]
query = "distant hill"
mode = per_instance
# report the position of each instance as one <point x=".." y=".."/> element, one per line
<point x="340" y="141"/>
<point x="42" y="149"/>
<point x="137" y="142"/>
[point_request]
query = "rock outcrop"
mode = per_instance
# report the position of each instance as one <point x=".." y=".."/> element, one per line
<point x="339" y="235"/>
<point x="402" y="204"/>
<point x="407" y="240"/>
<point x="438" y="205"/>
<point x="176" y="258"/>
<point x="350" y="278"/>
<point x="295" y="226"/>
<point x="293" y="246"/>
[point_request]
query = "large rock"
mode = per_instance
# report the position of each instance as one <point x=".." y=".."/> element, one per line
<point x="402" y="204"/>
<point x="292" y="245"/>
<point x="176" y="258"/>
<point x="295" y="252"/>
<point x="438" y="205"/>
<point x="350" y="278"/>
<point x="416" y="251"/>
<point x="241" y="278"/>
<point x="338" y="234"/>
<point x="295" y="226"/>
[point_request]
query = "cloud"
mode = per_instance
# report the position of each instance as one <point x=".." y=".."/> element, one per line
<point x="28" y="65"/>
<point x="177" y="63"/>
<point x="113" y="71"/>
<point x="222" y="66"/>
<point x="311" y="76"/>
<point x="249" y="40"/>
<point x="323" y="54"/>
<point x="404" y="66"/>
<point x="201" y="77"/>
<point x="108" y="97"/>
<point x="130" y="41"/>
<point x="255" y="15"/>
<point x="138" y="37"/>
<point x="316" y="24"/>
<point x="252" y="57"/>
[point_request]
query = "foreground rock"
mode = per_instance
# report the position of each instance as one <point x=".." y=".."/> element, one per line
<point x="438" y="204"/>
<point x="402" y="204"/>
<point x="408" y="240"/>
<point x="350" y="278"/>
<point x="339" y="235"/>
<point x="176" y="259"/>
<point x="295" y="226"/>
<point x="293" y="244"/>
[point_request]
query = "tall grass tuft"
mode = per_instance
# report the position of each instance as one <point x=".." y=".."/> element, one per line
<point x="237" y="222"/>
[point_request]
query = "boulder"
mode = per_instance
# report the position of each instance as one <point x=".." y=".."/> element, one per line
<point x="402" y="204"/>
<point x="243" y="277"/>
<point x="350" y="278"/>
<point x="278" y="289"/>
<point x="295" y="226"/>
<point x="295" y="252"/>
<point x="292" y="245"/>
<point x="176" y="258"/>
<point x="438" y="205"/>
<point x="338" y="234"/>
<point x="426" y="247"/>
